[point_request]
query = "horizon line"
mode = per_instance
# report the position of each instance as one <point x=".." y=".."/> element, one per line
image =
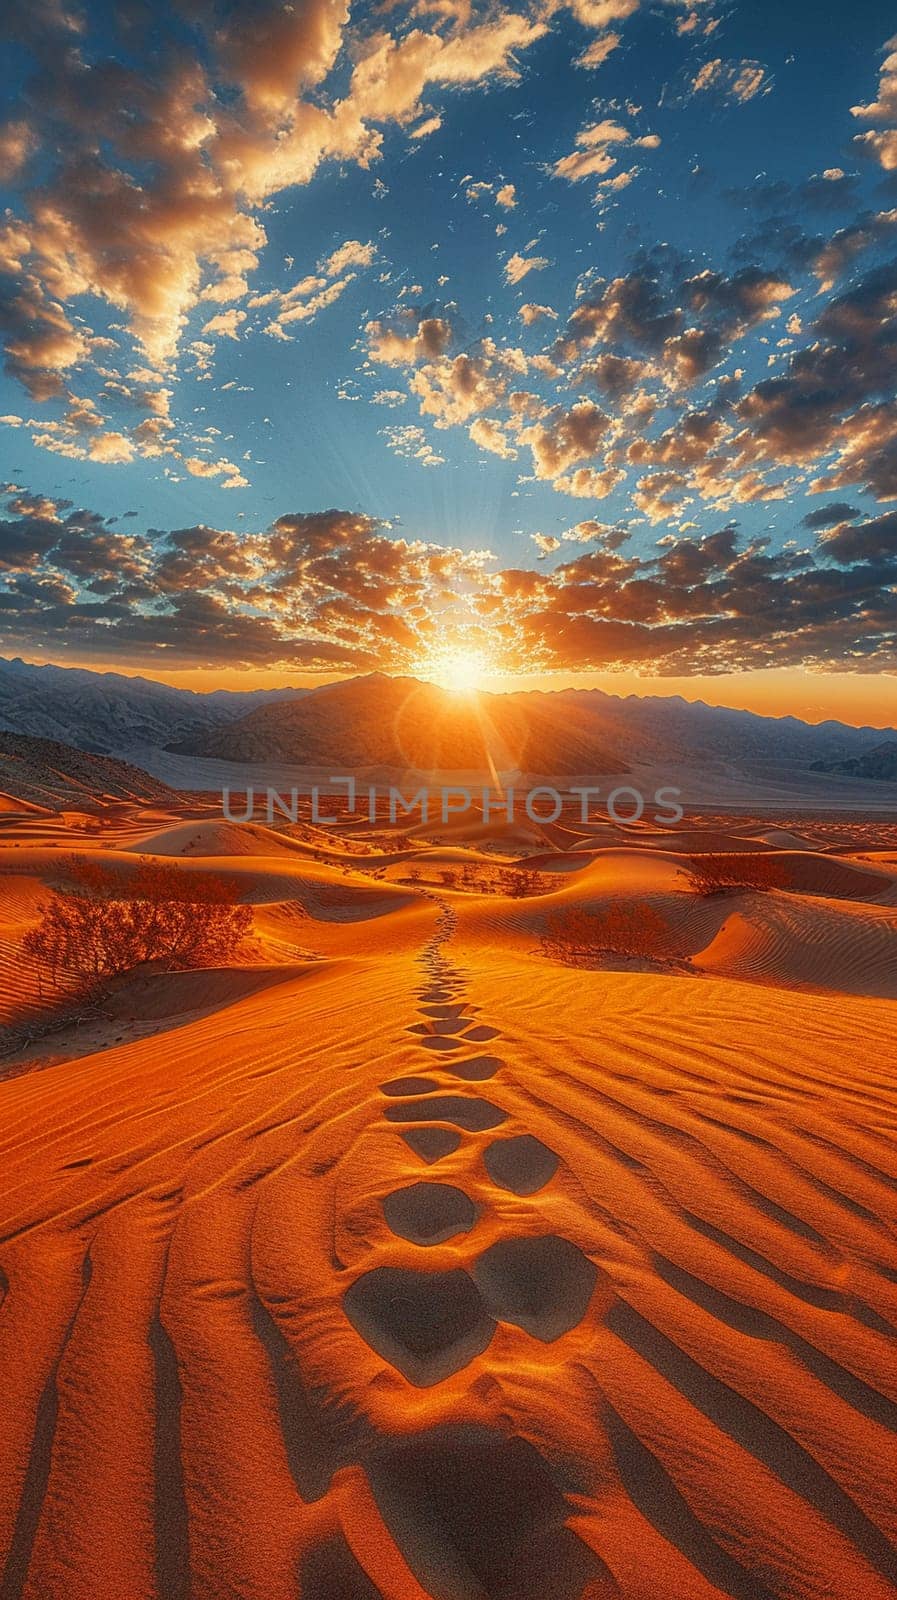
<point x="650" y="688"/>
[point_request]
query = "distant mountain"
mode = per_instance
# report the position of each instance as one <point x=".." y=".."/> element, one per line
<point x="399" y="723"/>
<point x="879" y="764"/>
<point x="56" y="777"/>
<point x="654" y="728"/>
<point x="108" y="713"/>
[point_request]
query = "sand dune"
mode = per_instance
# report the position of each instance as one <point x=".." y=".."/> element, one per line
<point x="824" y="945"/>
<point x="214" y="838"/>
<point x="19" y="807"/>
<point x="427" y="1268"/>
<point x="783" y="839"/>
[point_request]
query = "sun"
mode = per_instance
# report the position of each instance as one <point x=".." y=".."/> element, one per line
<point x="460" y="671"/>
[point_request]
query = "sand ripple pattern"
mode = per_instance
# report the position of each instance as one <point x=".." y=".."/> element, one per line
<point x="527" y="1300"/>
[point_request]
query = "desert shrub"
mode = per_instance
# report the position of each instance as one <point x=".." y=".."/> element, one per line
<point x="625" y="928"/>
<point x="518" y="882"/>
<point x="100" y="926"/>
<point x="722" y="874"/>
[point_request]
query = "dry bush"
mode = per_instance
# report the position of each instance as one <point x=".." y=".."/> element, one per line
<point x="519" y="882"/>
<point x="101" y="926"/>
<point x="715" y="874"/>
<point x="625" y="928"/>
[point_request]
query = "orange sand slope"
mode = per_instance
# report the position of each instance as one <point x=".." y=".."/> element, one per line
<point x="436" y="1270"/>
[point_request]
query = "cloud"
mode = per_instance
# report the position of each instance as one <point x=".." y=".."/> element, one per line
<point x="313" y="293"/>
<point x="834" y="396"/>
<point x="598" y="51"/>
<point x="112" y="446"/>
<point x="389" y="397"/>
<point x="232" y="477"/>
<point x="643" y="343"/>
<point x="599" y="13"/>
<point x="884" y="107"/>
<point x="295" y="310"/>
<point x="687" y="320"/>
<point x="749" y="79"/>
<point x="156" y="172"/>
<point x="596" y="150"/>
<point x="149" y="178"/>
<point x="17" y="144"/>
<point x="829" y="516"/>
<point x="490" y="435"/>
<point x="338" y="591"/>
<point x="274" y="53"/>
<point x="563" y="438"/>
<point x="849" y="543"/>
<point x="833" y="256"/>
<point x="408" y="341"/>
<point x="42" y="343"/>
<point x="587" y="530"/>
<point x="412" y="443"/>
<point x="392" y="73"/>
<point x="351" y="254"/>
<point x="226" y="324"/>
<point x="453" y="390"/>
<point x="661" y="495"/>
<point x="614" y="375"/>
<point x="881" y="143"/>
<point x="517" y="266"/>
<point x="737" y="80"/>
<point x="25" y="542"/>
<point x="533" y="312"/>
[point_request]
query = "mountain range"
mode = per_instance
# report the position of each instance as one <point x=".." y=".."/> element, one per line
<point x="879" y="763"/>
<point x="380" y="722"/>
<point x="110" y="714"/>
<point x="45" y="775"/>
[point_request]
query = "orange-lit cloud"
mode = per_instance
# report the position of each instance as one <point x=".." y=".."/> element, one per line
<point x="334" y="591"/>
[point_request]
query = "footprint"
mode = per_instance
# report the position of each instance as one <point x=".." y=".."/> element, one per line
<point x="331" y="1569"/>
<point x="475" y="1115"/>
<point x="426" y="1324"/>
<point x="409" y="1085"/>
<point x="439" y="1025"/>
<point x="453" y="1010"/>
<point x="435" y="1041"/>
<point x="476" y="1068"/>
<point x="476" y="1512"/>
<point x="429" y="1213"/>
<point x="522" y="1164"/>
<point x="431" y="1144"/>
<point x="542" y="1285"/>
<point x="481" y="1033"/>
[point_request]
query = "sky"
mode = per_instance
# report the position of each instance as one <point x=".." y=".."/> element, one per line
<point x="556" y="337"/>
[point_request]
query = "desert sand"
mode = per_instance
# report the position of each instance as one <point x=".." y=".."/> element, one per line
<point x="401" y="1260"/>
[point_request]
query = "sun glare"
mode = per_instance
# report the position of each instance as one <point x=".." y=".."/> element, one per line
<point x="461" y="671"/>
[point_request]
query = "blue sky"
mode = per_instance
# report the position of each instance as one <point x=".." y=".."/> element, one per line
<point x="263" y="262"/>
